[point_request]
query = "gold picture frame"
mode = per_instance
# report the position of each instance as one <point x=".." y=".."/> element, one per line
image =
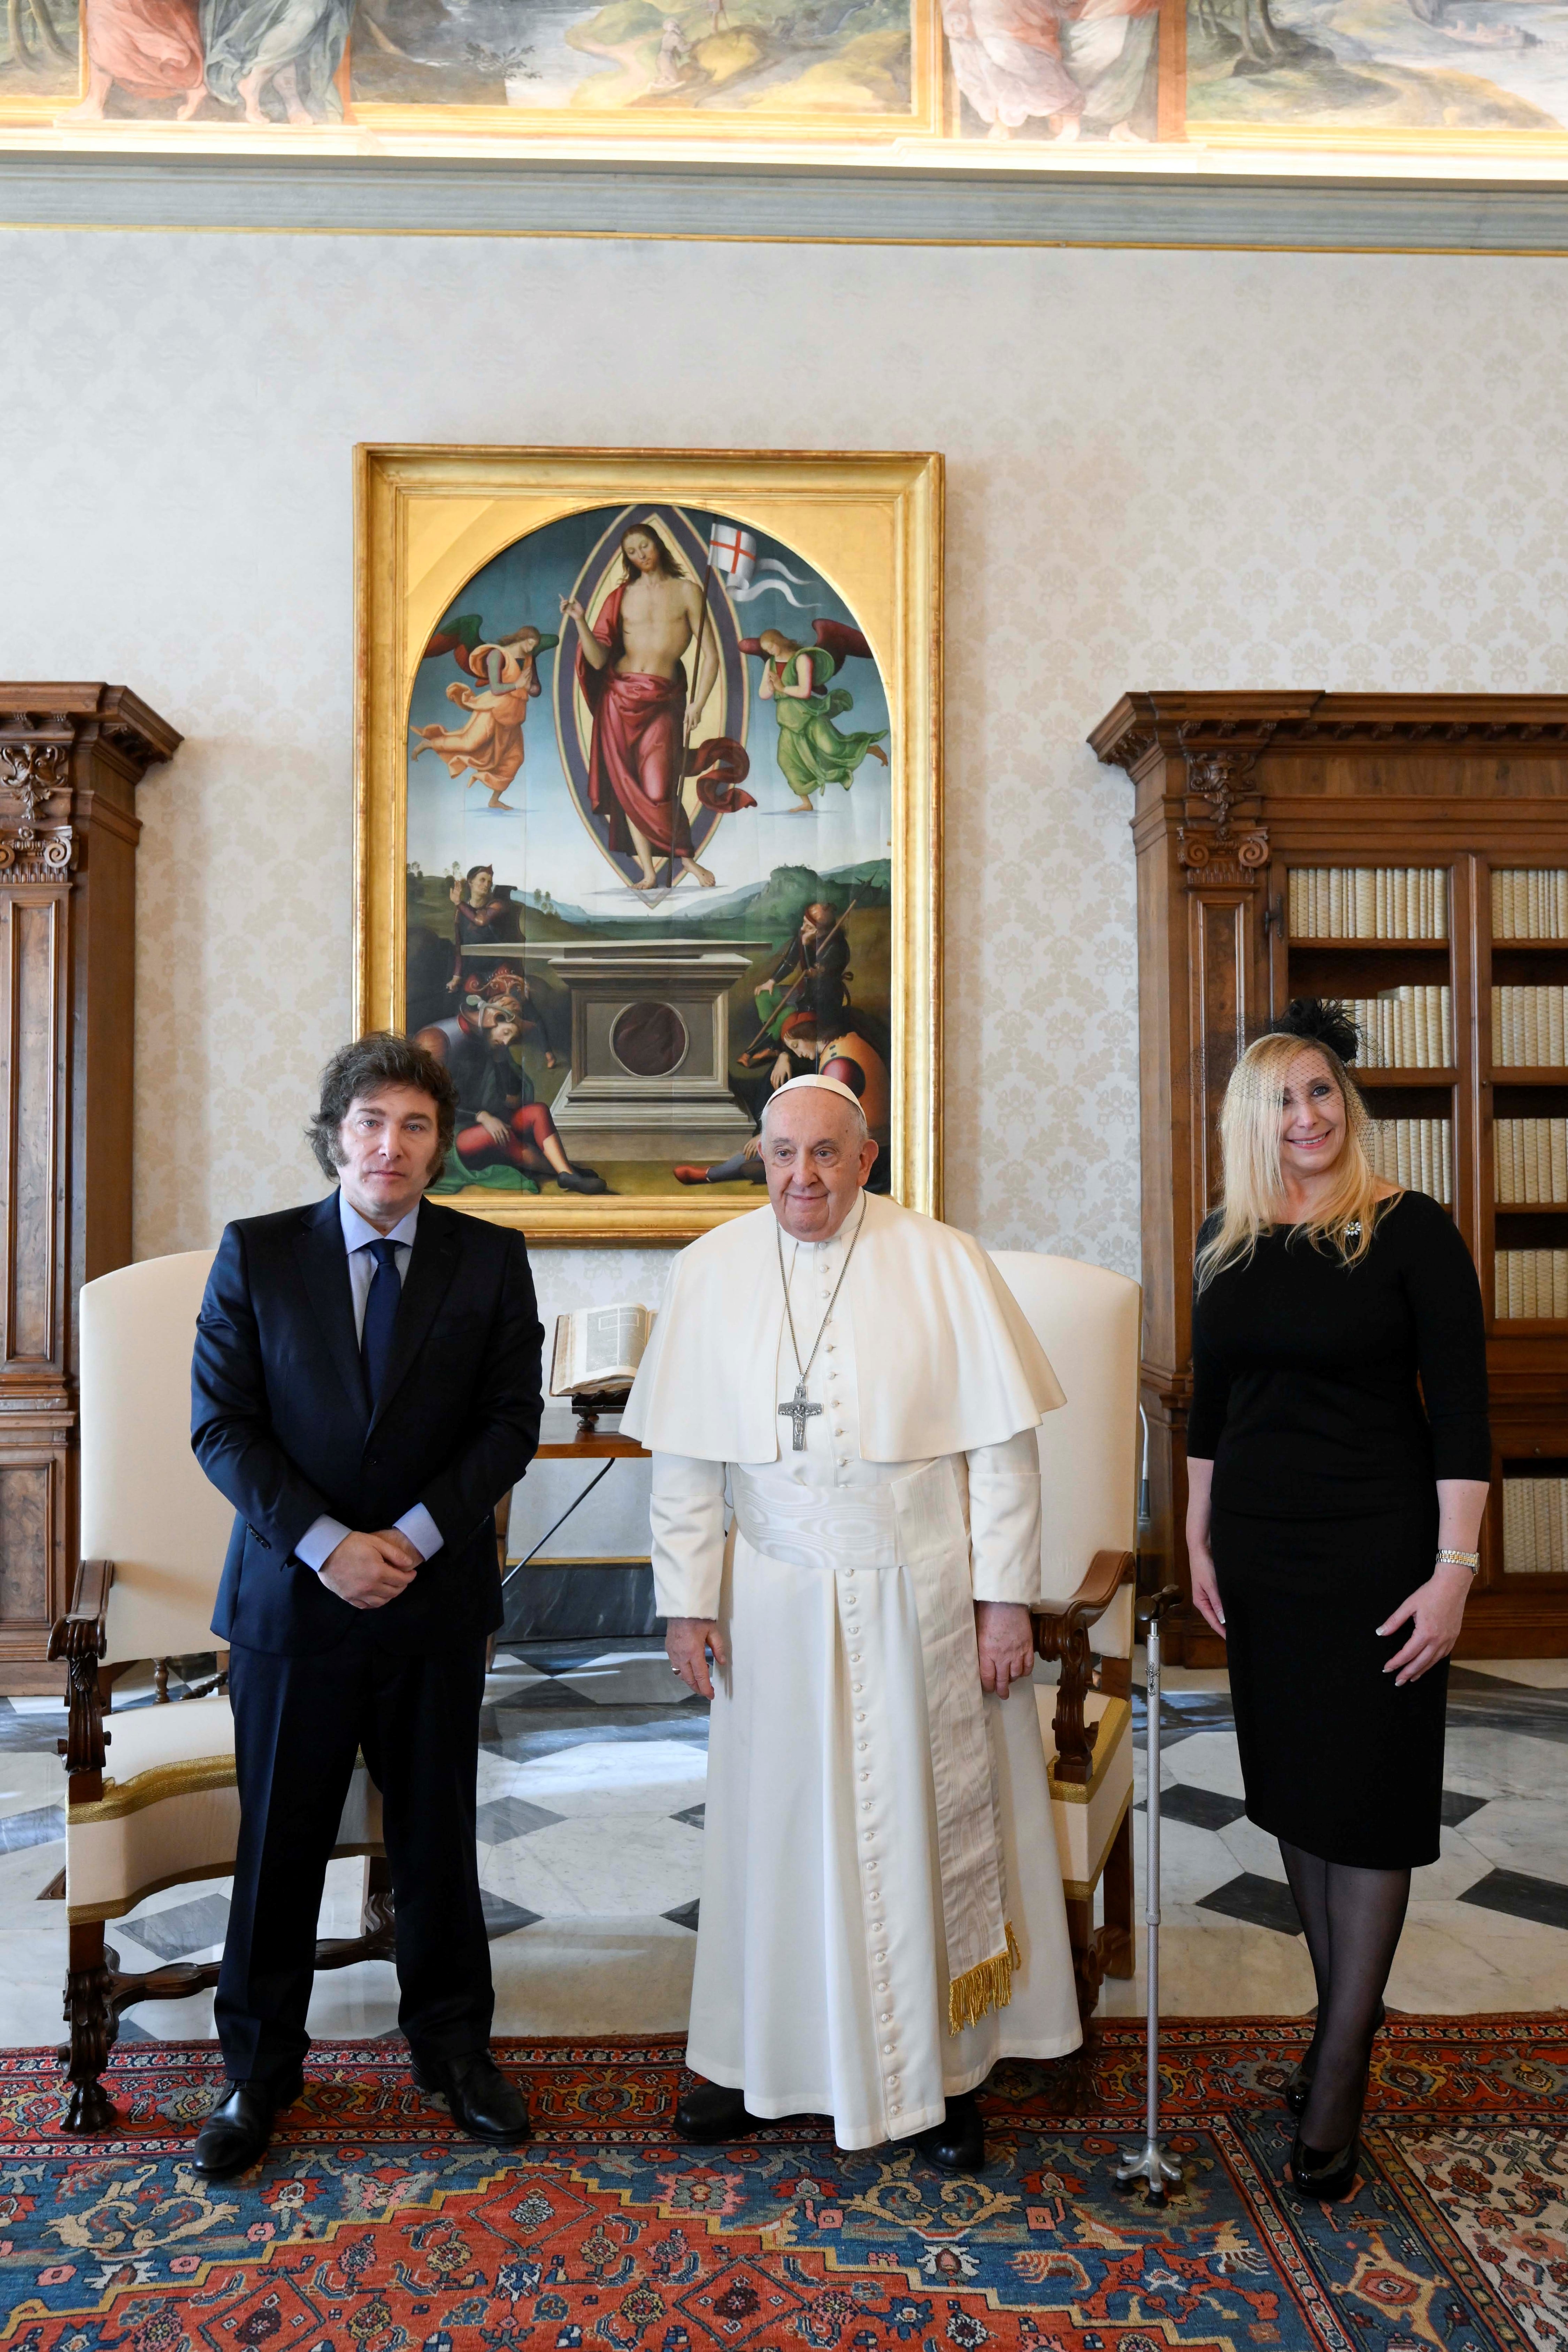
<point x="861" y="531"/>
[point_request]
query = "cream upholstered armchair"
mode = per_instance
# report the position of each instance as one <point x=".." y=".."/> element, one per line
<point x="159" y="1807"/>
<point x="1087" y="1320"/>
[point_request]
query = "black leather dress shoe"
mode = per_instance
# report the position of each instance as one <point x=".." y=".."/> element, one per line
<point x="479" y="2099"/>
<point x="957" y="2143"/>
<point x="708" y="2114"/>
<point x="239" y="2129"/>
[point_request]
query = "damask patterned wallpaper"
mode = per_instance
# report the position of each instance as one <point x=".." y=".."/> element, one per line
<point x="1180" y="470"/>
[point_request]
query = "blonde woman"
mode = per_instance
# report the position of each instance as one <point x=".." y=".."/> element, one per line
<point x="1333" y="1510"/>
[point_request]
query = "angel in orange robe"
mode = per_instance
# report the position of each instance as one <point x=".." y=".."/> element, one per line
<point x="491" y="744"/>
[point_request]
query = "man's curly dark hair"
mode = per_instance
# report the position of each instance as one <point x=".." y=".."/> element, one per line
<point x="379" y="1059"/>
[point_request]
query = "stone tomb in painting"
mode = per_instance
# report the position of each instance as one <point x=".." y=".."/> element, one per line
<point x="648" y="1073"/>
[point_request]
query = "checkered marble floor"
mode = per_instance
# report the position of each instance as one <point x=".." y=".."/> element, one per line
<point x="591" y="1778"/>
<point x="1487" y="1926"/>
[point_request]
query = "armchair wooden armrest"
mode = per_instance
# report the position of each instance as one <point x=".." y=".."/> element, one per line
<point x="1063" y="1634"/>
<point x="80" y="1638"/>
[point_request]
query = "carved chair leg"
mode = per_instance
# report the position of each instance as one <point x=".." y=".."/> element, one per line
<point x="1118" y="1951"/>
<point x="377" y="1940"/>
<point x="1087" y="1972"/>
<point x="90" y="2014"/>
<point x="376" y="1919"/>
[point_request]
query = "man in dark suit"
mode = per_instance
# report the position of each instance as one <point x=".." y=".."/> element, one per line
<point x="365" y="1387"/>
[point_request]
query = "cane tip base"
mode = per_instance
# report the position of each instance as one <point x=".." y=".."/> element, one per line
<point x="1151" y="2170"/>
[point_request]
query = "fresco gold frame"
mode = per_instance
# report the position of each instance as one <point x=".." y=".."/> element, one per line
<point x="427" y="518"/>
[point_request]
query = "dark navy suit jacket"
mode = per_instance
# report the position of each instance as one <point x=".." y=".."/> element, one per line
<point x="281" y="1425"/>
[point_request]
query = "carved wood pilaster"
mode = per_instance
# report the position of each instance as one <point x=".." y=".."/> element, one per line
<point x="70" y="757"/>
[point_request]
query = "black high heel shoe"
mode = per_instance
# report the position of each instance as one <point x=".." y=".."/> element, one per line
<point x="1327" y="2177"/>
<point x="1298" y="2090"/>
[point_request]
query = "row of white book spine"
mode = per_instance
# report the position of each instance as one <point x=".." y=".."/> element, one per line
<point x="1530" y="902"/>
<point x="1369" y="902"/>
<point x="1531" y="1160"/>
<point x="1414" y="1152"/>
<point x="1532" y="1283"/>
<point x="1535" y="1526"/>
<point x="1404" y="1028"/>
<point x="1530" y="1028"/>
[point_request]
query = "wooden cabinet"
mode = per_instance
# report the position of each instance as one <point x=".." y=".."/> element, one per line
<point x="1408" y="854"/>
<point x="71" y="759"/>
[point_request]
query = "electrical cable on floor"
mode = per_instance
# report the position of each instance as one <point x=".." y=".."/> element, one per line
<point x="518" y="1565"/>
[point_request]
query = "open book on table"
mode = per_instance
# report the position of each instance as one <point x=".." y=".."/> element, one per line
<point x="598" y="1349"/>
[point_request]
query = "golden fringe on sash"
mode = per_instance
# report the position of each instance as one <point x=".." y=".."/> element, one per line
<point x="986" y="1986"/>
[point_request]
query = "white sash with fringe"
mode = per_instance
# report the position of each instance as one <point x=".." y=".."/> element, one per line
<point x="917" y="1523"/>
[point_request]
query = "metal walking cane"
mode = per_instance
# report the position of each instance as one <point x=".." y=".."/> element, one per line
<point x="1151" y="2165"/>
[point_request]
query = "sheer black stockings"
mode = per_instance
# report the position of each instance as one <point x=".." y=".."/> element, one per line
<point x="1353" y="1920"/>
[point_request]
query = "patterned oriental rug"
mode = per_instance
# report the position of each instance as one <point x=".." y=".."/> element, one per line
<point x="374" y="2228"/>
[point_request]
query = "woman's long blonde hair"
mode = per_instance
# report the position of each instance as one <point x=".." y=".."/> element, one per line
<point x="1249" y="1158"/>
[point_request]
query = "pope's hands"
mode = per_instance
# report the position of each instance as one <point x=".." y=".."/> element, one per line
<point x="687" y="1642"/>
<point x="1004" y="1634"/>
<point x="367" y="1572"/>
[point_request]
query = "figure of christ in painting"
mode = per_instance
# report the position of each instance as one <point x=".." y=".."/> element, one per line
<point x="630" y="668"/>
<point x="812" y="752"/>
<point x="490" y="749"/>
<point x="150" y="48"/>
<point x="294" y="45"/>
<point x="500" y="1124"/>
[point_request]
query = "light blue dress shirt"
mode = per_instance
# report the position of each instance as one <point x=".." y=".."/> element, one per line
<point x="323" y="1536"/>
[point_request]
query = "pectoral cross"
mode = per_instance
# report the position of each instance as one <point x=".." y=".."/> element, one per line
<point x="799" y="1411"/>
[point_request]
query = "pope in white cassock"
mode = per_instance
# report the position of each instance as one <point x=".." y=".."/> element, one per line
<point x="881" y="1913"/>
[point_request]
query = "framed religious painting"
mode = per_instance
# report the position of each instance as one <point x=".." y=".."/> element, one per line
<point x="649" y="812"/>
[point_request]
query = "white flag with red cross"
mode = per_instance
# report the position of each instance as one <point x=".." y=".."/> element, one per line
<point x="732" y="554"/>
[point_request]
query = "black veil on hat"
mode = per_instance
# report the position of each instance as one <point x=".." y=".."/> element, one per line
<point x="1318" y="1021"/>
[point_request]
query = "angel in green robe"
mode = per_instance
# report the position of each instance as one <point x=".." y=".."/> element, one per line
<point x="812" y="752"/>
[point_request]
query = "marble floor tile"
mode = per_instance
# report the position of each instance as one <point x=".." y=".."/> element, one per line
<point x="1253" y="1849"/>
<point x="594" y="1975"/>
<point x="1193" y="1862"/>
<point x="1491" y="1763"/>
<point x="1523" y="1833"/>
<point x="29" y="1780"/>
<point x="1219" y="1968"/>
<point x="1206" y="1760"/>
<point x="24" y="1872"/>
<point x="1456" y="1960"/>
<point x="594" y="1777"/>
<point x="1261" y="1902"/>
<point x="1201" y="1809"/>
<point x="625" y="1864"/>
<point x="1536" y="1673"/>
<point x="1522" y="1896"/>
<point x="629" y="1678"/>
<point x="1458" y="1867"/>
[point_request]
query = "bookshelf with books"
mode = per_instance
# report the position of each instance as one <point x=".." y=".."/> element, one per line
<point x="1407" y="856"/>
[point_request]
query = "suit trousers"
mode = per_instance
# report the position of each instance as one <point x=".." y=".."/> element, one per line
<point x="298" y="1725"/>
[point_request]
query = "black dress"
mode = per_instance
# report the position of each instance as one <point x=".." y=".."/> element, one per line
<point x="1305" y="1398"/>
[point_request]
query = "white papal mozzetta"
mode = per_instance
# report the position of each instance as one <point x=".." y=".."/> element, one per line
<point x="881" y="1913"/>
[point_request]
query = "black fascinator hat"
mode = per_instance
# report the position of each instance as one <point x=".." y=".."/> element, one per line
<point x="1318" y="1021"/>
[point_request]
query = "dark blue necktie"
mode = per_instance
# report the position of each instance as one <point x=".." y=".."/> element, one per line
<point x="380" y="1318"/>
